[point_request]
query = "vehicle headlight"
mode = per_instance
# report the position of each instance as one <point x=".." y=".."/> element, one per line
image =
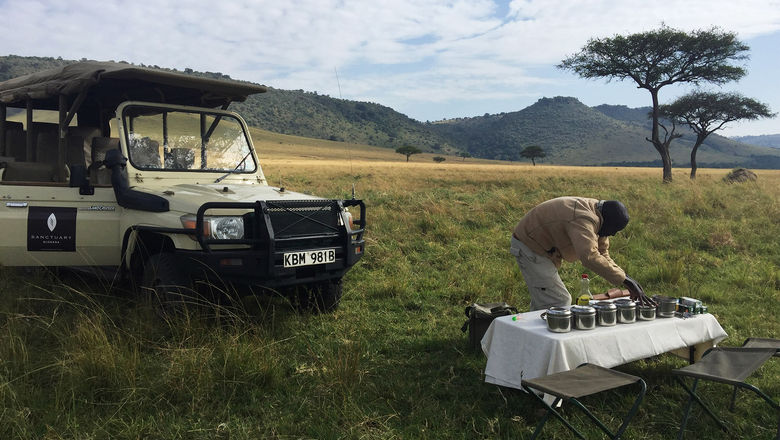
<point x="348" y="216"/>
<point x="219" y="227"/>
<point x="227" y="228"/>
<point x="350" y="222"/>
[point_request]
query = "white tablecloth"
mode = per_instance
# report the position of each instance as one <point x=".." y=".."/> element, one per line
<point x="525" y="349"/>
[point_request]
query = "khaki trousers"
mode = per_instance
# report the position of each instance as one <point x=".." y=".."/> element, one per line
<point x="541" y="276"/>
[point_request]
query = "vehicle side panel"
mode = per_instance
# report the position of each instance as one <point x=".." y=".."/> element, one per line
<point x="58" y="227"/>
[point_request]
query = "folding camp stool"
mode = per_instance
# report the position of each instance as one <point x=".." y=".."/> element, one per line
<point x="728" y="365"/>
<point x="583" y="381"/>
<point x="756" y="343"/>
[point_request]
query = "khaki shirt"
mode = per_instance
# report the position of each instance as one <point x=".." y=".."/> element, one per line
<point x="566" y="228"/>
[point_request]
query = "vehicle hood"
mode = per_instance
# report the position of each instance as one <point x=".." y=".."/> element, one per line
<point x="187" y="198"/>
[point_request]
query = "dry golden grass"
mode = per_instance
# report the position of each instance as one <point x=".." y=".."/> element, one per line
<point x="282" y="155"/>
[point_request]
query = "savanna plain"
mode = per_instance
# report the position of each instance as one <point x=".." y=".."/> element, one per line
<point x="82" y="357"/>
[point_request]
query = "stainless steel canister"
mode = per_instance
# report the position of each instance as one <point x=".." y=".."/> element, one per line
<point x="558" y="319"/>
<point x="606" y="313"/>
<point x="584" y="317"/>
<point x="666" y="306"/>
<point x="646" y="312"/>
<point x="626" y="311"/>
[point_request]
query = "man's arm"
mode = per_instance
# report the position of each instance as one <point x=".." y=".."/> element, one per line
<point x="586" y="244"/>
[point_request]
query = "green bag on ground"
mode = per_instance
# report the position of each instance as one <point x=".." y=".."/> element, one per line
<point x="479" y="318"/>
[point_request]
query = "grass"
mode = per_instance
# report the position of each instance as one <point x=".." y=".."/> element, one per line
<point x="80" y="361"/>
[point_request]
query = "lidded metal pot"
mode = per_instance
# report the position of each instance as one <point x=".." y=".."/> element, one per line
<point x="606" y="313"/>
<point x="646" y="312"/>
<point x="559" y="319"/>
<point x="666" y="306"/>
<point x="584" y="317"/>
<point x="626" y="311"/>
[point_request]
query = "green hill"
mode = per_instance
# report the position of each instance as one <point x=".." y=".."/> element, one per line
<point x="319" y="116"/>
<point x="570" y="132"/>
<point x="639" y="116"/>
<point x="766" y="140"/>
<point x="717" y="151"/>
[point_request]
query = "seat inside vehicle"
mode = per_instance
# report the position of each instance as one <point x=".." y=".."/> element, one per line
<point x="45" y="130"/>
<point x="100" y="175"/>
<point x="30" y="172"/>
<point x="15" y="141"/>
<point x="145" y="153"/>
<point x="86" y="134"/>
<point x="180" y="159"/>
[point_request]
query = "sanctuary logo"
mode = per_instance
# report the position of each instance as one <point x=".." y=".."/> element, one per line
<point x="51" y="229"/>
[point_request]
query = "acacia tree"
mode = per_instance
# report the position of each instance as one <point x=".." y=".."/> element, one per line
<point x="532" y="152"/>
<point x="464" y="155"/>
<point x="408" y="150"/>
<point x="707" y="112"/>
<point x="659" y="58"/>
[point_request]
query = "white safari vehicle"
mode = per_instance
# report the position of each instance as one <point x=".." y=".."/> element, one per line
<point x="147" y="173"/>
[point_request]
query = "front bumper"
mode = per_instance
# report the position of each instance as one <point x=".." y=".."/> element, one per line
<point x="253" y="268"/>
<point x="271" y="229"/>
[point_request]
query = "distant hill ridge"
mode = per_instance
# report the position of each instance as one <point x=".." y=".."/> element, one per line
<point x="764" y="140"/>
<point x="570" y="132"/>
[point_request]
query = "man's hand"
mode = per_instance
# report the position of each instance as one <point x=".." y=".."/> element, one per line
<point x="636" y="292"/>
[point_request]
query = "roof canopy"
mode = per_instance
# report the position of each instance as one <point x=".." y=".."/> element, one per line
<point x="109" y="84"/>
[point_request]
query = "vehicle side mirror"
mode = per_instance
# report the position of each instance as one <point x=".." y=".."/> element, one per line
<point x="116" y="162"/>
<point x="113" y="158"/>
<point x="126" y="197"/>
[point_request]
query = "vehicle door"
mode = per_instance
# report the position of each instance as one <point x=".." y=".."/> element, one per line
<point x="52" y="224"/>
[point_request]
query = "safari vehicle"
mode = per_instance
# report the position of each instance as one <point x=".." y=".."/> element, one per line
<point x="148" y="174"/>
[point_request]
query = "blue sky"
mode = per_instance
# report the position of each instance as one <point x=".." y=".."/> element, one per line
<point x="428" y="59"/>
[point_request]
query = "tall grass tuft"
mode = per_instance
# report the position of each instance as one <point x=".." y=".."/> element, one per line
<point x="670" y="272"/>
<point x="97" y="363"/>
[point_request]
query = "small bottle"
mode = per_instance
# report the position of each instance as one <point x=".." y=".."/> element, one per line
<point x="585" y="295"/>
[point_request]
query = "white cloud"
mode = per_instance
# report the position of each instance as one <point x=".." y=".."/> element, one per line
<point x="395" y="52"/>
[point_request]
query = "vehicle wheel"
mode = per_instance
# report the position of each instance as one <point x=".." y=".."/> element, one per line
<point x="322" y="297"/>
<point x="165" y="281"/>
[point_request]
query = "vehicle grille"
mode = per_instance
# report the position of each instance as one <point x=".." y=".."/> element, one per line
<point x="303" y="220"/>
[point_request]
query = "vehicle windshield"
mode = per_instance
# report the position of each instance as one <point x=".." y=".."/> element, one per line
<point x="162" y="139"/>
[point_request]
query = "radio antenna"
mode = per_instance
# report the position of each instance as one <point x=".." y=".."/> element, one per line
<point x="346" y="146"/>
<point x="337" y="81"/>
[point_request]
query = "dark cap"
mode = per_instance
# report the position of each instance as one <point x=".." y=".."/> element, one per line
<point x="614" y="217"/>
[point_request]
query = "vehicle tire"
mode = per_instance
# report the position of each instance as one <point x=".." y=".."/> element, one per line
<point x="330" y="295"/>
<point x="322" y="297"/>
<point x="166" y="282"/>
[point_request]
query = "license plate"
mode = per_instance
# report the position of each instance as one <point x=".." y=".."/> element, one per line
<point x="308" y="258"/>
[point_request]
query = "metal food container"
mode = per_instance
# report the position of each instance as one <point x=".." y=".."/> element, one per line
<point x="584" y="317"/>
<point x="646" y="312"/>
<point x="606" y="313"/>
<point x="666" y="306"/>
<point x="626" y="311"/>
<point x="558" y="319"/>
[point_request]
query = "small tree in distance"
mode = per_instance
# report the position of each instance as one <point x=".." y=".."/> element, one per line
<point x="532" y="152"/>
<point x="464" y="155"/>
<point x="707" y="112"/>
<point x="408" y="150"/>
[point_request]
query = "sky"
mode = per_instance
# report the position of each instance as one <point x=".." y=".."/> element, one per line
<point x="428" y="59"/>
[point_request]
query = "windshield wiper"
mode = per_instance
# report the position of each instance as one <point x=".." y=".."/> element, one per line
<point x="234" y="170"/>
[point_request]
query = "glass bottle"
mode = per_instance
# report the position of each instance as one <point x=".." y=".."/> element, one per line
<point x="585" y="295"/>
